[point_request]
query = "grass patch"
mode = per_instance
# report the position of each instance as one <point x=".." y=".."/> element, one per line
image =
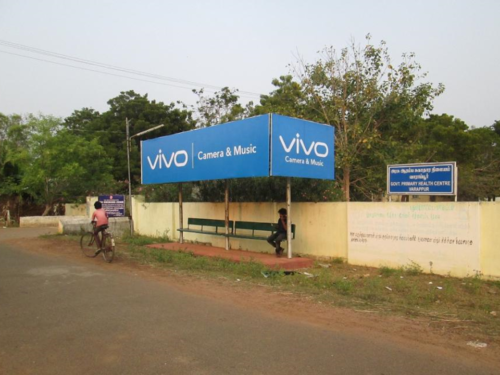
<point x="138" y="240"/>
<point x="413" y="269"/>
<point x="344" y="287"/>
<point x="188" y="262"/>
<point x="388" y="271"/>
<point x="338" y="260"/>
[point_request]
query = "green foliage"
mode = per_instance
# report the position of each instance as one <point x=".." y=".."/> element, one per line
<point x="246" y="190"/>
<point x="445" y="138"/>
<point x="138" y="240"/>
<point x="269" y="190"/>
<point x="12" y="144"/>
<point x="338" y="260"/>
<point x="220" y="108"/>
<point x="413" y="269"/>
<point x="361" y="93"/>
<point x="168" y="192"/>
<point x="110" y="130"/>
<point x="287" y="99"/>
<point x="343" y="286"/>
<point x="55" y="164"/>
<point x="388" y="271"/>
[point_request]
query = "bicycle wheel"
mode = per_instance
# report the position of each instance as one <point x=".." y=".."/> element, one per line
<point x="87" y="244"/>
<point x="109" y="248"/>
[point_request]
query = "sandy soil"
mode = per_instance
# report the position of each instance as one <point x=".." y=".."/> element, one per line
<point x="419" y="333"/>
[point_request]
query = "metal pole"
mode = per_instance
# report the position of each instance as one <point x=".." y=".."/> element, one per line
<point x="129" y="182"/>
<point x="226" y="216"/>
<point x="129" y="139"/>
<point x="181" y="216"/>
<point x="289" y="219"/>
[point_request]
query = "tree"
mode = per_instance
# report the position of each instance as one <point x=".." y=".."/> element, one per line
<point x="496" y="127"/>
<point x="220" y="108"/>
<point x="359" y="91"/>
<point x="56" y="163"/>
<point x="479" y="178"/>
<point x="13" y="144"/>
<point x="441" y="138"/>
<point x="110" y="130"/>
<point x="287" y="99"/>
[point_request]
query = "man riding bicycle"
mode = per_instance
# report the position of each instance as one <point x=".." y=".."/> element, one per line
<point x="100" y="221"/>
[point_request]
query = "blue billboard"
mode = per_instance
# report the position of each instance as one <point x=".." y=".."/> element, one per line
<point x="302" y="149"/>
<point x="422" y="179"/>
<point x="267" y="145"/>
<point x="232" y="150"/>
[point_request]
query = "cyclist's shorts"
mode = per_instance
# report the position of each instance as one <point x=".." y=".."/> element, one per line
<point x="102" y="227"/>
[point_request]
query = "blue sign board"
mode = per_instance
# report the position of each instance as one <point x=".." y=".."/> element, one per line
<point x="267" y="145"/>
<point x="422" y="179"/>
<point x="232" y="150"/>
<point x="114" y="205"/>
<point x="302" y="149"/>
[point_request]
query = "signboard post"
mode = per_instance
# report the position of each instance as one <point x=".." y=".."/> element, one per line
<point x="422" y="179"/>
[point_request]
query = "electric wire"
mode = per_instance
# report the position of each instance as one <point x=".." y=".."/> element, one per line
<point x="112" y="67"/>
<point x="96" y="71"/>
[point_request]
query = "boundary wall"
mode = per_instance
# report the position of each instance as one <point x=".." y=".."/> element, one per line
<point x="447" y="238"/>
<point x="75" y="209"/>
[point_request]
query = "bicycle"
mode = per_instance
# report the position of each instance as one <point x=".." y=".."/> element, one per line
<point x="107" y="245"/>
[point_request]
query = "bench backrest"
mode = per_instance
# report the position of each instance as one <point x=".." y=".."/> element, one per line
<point x="256" y="226"/>
<point x="210" y="223"/>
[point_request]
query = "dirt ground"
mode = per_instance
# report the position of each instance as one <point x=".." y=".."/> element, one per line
<point x="408" y="332"/>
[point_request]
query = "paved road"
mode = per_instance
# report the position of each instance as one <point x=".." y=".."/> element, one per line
<point x="59" y="317"/>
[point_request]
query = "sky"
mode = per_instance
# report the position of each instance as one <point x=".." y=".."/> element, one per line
<point x="239" y="44"/>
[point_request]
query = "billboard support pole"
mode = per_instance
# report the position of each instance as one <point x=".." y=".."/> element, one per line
<point x="181" y="218"/>
<point x="129" y="145"/>
<point x="226" y="214"/>
<point x="289" y="219"/>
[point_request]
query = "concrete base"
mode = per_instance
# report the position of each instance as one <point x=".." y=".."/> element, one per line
<point x="39" y="221"/>
<point x="269" y="260"/>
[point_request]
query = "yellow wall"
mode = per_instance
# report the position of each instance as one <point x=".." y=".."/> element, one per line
<point x="74" y="209"/>
<point x="320" y="227"/>
<point x="155" y="219"/>
<point x="490" y="239"/>
<point x="442" y="238"/>
<point x="330" y="230"/>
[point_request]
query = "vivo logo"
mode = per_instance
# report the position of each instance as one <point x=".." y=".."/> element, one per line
<point x="179" y="158"/>
<point x="320" y="149"/>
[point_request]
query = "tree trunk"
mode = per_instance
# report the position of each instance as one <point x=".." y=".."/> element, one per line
<point x="346" y="183"/>
<point x="48" y="209"/>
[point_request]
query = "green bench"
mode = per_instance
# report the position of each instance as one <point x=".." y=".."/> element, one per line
<point x="237" y="229"/>
<point x="255" y="230"/>
<point x="203" y="224"/>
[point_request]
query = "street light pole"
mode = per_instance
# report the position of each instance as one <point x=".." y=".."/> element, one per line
<point x="129" y="184"/>
<point x="129" y="138"/>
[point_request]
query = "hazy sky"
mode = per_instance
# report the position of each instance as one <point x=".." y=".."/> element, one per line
<point x="240" y="44"/>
